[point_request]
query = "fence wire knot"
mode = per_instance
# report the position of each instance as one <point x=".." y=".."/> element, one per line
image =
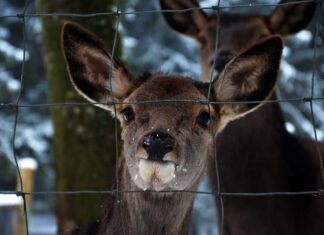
<point x="307" y="99"/>
<point x="20" y="15"/>
<point x="117" y="13"/>
<point x="215" y="8"/>
<point x="20" y="194"/>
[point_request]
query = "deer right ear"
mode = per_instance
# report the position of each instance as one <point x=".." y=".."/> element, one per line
<point x="248" y="79"/>
<point x="291" y="18"/>
<point x="89" y="65"/>
<point x="188" y="22"/>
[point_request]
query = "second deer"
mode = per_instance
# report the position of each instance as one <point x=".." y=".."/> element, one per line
<point x="256" y="153"/>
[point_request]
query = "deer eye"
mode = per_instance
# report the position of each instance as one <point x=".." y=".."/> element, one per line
<point x="128" y="114"/>
<point x="203" y="119"/>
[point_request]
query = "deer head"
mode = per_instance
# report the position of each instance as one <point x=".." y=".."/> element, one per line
<point x="166" y="144"/>
<point x="236" y="32"/>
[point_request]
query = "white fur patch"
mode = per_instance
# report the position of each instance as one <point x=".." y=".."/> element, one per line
<point x="155" y="172"/>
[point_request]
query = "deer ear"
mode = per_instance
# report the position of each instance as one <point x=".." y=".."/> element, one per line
<point x="249" y="77"/>
<point x="189" y="22"/>
<point x="289" y="19"/>
<point x="89" y="65"/>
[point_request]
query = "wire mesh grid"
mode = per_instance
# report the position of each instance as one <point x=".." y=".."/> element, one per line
<point x="118" y="13"/>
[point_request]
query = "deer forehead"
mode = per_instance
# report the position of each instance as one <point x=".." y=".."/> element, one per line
<point x="164" y="87"/>
<point x="240" y="30"/>
<point x="182" y="91"/>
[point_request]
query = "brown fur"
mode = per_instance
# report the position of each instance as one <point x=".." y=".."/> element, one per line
<point x="256" y="153"/>
<point x="157" y="211"/>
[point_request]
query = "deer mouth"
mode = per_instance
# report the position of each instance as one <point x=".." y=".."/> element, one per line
<point x="157" y="172"/>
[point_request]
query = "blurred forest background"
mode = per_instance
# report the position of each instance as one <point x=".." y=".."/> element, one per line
<point x="145" y="43"/>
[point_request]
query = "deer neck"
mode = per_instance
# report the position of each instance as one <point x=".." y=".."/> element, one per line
<point x="149" y="212"/>
<point x="266" y="121"/>
<point x="248" y="145"/>
<point x="268" y="117"/>
<point x="256" y="153"/>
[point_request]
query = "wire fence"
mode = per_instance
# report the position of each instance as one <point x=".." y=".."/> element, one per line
<point x="118" y="13"/>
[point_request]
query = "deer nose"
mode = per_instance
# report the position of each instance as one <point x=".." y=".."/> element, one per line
<point x="157" y="144"/>
<point x="221" y="59"/>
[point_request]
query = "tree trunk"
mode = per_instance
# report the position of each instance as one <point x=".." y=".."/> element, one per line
<point x="84" y="141"/>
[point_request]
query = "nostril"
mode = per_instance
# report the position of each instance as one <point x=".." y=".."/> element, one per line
<point x="157" y="144"/>
<point x="168" y="147"/>
<point x="146" y="142"/>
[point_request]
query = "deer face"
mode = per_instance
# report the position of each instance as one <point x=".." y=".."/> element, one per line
<point x="162" y="142"/>
<point x="236" y="32"/>
<point x="166" y="144"/>
<point x="231" y="42"/>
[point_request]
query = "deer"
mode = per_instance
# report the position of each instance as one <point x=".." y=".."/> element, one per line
<point x="165" y="144"/>
<point x="255" y="153"/>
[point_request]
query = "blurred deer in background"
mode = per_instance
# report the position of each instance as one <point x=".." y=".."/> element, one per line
<point x="236" y="32"/>
<point x="165" y="144"/>
<point x="256" y="153"/>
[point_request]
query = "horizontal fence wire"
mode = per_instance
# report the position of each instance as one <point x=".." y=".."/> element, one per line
<point x="316" y="193"/>
<point x="165" y="101"/>
<point x="118" y="13"/>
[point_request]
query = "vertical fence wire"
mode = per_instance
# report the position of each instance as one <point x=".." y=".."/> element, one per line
<point x="16" y="116"/>
<point x="118" y="192"/>
<point x="111" y="65"/>
<point x="316" y="40"/>
<point x="220" y="212"/>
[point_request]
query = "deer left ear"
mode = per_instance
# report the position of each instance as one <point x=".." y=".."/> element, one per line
<point x="249" y="77"/>
<point x="92" y="71"/>
<point x="289" y="19"/>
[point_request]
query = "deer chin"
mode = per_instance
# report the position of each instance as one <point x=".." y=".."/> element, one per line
<point x="156" y="174"/>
